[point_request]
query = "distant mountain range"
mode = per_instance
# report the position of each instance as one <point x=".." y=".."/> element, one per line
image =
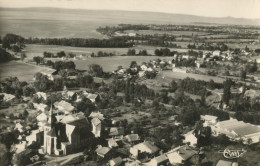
<point x="143" y="17"/>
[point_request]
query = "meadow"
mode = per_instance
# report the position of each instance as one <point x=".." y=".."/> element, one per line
<point x="23" y="71"/>
<point x="174" y="33"/>
<point x="168" y="74"/>
<point x="32" y="50"/>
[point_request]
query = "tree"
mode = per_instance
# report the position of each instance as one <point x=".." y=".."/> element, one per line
<point x="25" y="113"/>
<point x="131" y="52"/>
<point x="133" y="64"/>
<point x="96" y="70"/>
<point x="38" y="59"/>
<point x="226" y="91"/>
<point x="173" y="86"/>
<point x="8" y="139"/>
<point x="5" y="160"/>
<point x="61" y="54"/>
<point x="243" y="74"/>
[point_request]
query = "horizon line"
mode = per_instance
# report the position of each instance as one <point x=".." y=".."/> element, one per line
<point x="129" y="11"/>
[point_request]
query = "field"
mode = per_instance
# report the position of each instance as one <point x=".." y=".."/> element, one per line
<point x="108" y="63"/>
<point x="32" y="50"/>
<point x="168" y="74"/>
<point x="23" y="71"/>
<point x="175" y="33"/>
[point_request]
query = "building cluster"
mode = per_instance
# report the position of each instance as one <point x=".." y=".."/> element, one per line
<point x="61" y="131"/>
<point x="234" y="129"/>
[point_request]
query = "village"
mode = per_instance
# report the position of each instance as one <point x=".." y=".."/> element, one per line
<point x="57" y="123"/>
<point x="129" y="84"/>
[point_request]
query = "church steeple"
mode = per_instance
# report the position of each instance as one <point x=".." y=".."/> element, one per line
<point x="51" y="118"/>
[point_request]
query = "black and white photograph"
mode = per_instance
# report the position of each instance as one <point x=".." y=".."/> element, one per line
<point x="129" y="82"/>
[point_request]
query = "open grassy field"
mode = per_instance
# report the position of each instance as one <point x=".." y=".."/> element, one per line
<point x="23" y="71"/>
<point x="175" y="33"/>
<point x="168" y="74"/>
<point x="32" y="50"/>
<point x="111" y="63"/>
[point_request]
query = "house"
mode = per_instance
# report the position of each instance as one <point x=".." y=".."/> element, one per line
<point x="185" y="57"/>
<point x="190" y="138"/>
<point x="102" y="151"/>
<point x="116" y="131"/>
<point x="66" y="119"/>
<point x="68" y="94"/>
<point x="116" y="161"/>
<point x="63" y="139"/>
<point x="226" y="163"/>
<point x="18" y="148"/>
<point x="42" y="95"/>
<point x="159" y="160"/>
<point x="237" y="130"/>
<point x="96" y="127"/>
<point x="19" y="127"/>
<point x="216" y="53"/>
<point x="146" y="146"/>
<point x="64" y="106"/>
<point x="91" y="96"/>
<point x="97" y="114"/>
<point x="40" y="107"/>
<point x="35" y="136"/>
<point x="208" y="120"/>
<point x="144" y="67"/>
<point x="132" y="138"/>
<point x="199" y="63"/>
<point x="180" y="154"/>
<point x="112" y="143"/>
<point x="49" y="73"/>
<point x="121" y="71"/>
<point x="42" y="117"/>
<point x="7" y="97"/>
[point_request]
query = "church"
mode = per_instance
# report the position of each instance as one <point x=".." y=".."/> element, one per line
<point x="65" y="138"/>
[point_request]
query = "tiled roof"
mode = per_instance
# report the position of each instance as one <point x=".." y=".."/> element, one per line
<point x="114" y="131"/>
<point x="146" y="147"/>
<point x="95" y="121"/>
<point x="133" y="137"/>
<point x="103" y="150"/>
<point x="160" y="158"/>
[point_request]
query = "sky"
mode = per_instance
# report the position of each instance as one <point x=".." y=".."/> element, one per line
<point x="211" y="8"/>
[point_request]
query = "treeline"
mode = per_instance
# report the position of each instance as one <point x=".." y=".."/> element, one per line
<point x="198" y="87"/>
<point x="248" y="117"/>
<point x="12" y="85"/>
<point x="43" y="84"/>
<point x="164" y="52"/>
<point x="60" y="54"/>
<point x="132" y="52"/>
<point x="102" y="54"/>
<point x="121" y="27"/>
<point x="132" y="90"/>
<point x="5" y="56"/>
<point x="57" y="65"/>
<point x="9" y="40"/>
<point x="79" y="42"/>
<point x="211" y="47"/>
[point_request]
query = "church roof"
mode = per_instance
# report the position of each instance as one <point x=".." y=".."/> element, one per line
<point x="79" y="122"/>
<point x="52" y="133"/>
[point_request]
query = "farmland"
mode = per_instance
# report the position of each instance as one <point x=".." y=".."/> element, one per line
<point x="177" y="75"/>
<point x="23" y="71"/>
<point x="174" y="33"/>
<point x="37" y="50"/>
